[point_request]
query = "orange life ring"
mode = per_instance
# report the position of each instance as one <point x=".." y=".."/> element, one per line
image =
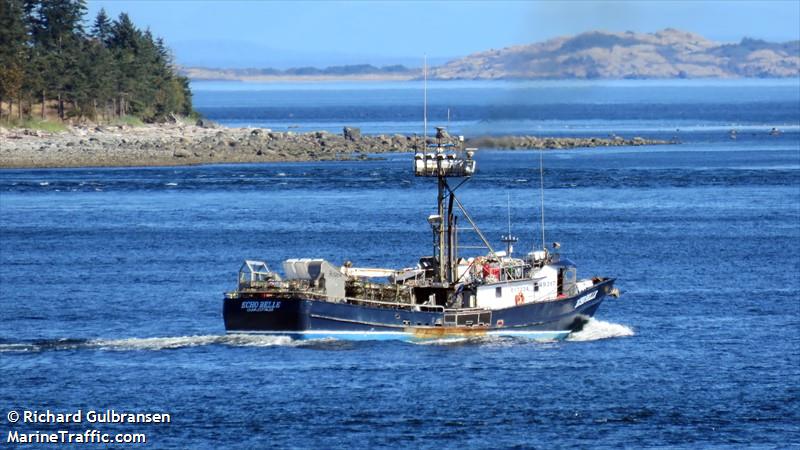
<point x="519" y="298"/>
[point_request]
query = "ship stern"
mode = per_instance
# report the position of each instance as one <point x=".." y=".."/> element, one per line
<point x="263" y="314"/>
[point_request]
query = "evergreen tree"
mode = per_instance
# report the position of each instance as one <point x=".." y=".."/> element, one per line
<point x="37" y="69"/>
<point x="101" y="30"/>
<point x="60" y="35"/>
<point x="13" y="38"/>
<point x="186" y="95"/>
<point x="99" y="68"/>
<point x="124" y="45"/>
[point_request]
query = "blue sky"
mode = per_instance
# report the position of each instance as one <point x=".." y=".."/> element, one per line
<point x="285" y="34"/>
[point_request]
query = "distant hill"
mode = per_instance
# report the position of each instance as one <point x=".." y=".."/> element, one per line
<point x="668" y="53"/>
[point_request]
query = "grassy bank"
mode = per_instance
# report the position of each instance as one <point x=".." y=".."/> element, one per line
<point x="131" y="121"/>
<point x="55" y="125"/>
<point x="50" y="126"/>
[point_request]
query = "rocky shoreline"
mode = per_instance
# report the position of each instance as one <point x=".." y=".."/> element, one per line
<point x="204" y="143"/>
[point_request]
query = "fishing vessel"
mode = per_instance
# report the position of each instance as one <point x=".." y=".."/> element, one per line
<point x="445" y="295"/>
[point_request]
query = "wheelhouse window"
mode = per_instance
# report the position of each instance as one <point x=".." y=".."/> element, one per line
<point x="498" y="292"/>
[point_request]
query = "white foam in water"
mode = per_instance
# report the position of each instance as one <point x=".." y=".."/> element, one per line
<point x="598" y="329"/>
<point x="191" y="341"/>
<point x="150" y="344"/>
<point x="443" y="341"/>
<point x="15" y="348"/>
<point x="592" y="331"/>
<point x="153" y="343"/>
<point x="44" y="183"/>
<point x="171" y="184"/>
<point x="249" y="340"/>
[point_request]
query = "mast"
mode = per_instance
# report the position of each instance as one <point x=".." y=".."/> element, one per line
<point x="444" y="227"/>
<point x="444" y="219"/>
<point x="443" y="161"/>
<point x="541" y="191"/>
<point x="425" y="101"/>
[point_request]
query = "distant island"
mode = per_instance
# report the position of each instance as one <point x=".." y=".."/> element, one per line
<point x="350" y="72"/>
<point x="667" y="53"/>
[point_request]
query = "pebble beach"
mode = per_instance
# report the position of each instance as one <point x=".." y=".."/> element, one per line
<point x="203" y="143"/>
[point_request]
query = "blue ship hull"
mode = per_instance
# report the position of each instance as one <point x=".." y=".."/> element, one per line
<point x="302" y="317"/>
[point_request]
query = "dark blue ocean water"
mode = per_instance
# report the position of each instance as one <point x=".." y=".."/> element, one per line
<point x="111" y="285"/>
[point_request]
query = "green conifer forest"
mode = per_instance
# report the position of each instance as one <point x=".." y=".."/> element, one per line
<point x="55" y="63"/>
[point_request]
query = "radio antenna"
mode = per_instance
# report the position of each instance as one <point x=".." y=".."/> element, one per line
<point x="541" y="190"/>
<point x="509" y="239"/>
<point x="425" y="101"/>
<point x="508" y="204"/>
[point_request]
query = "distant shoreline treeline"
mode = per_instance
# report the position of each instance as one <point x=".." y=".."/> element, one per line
<point x="352" y="71"/>
<point x="50" y="64"/>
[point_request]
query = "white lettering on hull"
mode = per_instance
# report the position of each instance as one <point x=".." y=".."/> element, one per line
<point x="586" y="298"/>
<point x="265" y="306"/>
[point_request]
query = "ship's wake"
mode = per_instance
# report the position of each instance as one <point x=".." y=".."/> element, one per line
<point x="154" y="343"/>
<point x="482" y="341"/>
<point x="595" y="330"/>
